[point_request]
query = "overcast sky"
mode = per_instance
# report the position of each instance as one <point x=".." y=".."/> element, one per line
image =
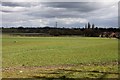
<point x="67" y="14"/>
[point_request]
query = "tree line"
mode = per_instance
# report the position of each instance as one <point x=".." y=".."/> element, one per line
<point x="88" y="31"/>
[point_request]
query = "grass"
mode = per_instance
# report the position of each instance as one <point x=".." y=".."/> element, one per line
<point x="47" y="51"/>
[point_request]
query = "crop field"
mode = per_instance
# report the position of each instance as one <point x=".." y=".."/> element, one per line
<point x="59" y="57"/>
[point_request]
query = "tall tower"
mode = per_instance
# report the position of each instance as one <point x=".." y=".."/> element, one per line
<point x="56" y="24"/>
<point x="93" y="26"/>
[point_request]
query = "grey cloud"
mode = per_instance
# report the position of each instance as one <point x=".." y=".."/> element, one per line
<point x="11" y="11"/>
<point x="11" y="4"/>
<point x="19" y="4"/>
<point x="66" y="10"/>
<point x="6" y="11"/>
<point x="54" y="14"/>
<point x="70" y="9"/>
<point x="76" y="6"/>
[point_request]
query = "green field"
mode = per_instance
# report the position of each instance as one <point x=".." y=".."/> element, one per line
<point x="31" y="56"/>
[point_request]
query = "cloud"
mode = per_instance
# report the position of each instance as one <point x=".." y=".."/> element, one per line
<point x="75" y="6"/>
<point x="70" y="14"/>
<point x="71" y="20"/>
<point x="19" y="4"/>
<point x="60" y="0"/>
<point x="13" y="9"/>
